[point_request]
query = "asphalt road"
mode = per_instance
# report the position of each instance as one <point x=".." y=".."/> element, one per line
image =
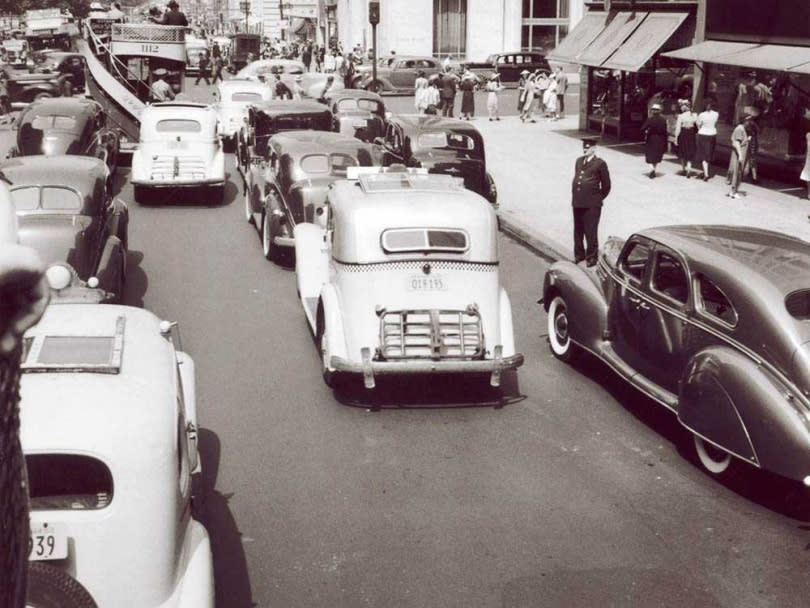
<point x="574" y="492"/>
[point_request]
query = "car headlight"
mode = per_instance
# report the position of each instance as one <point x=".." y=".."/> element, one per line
<point x="59" y="276"/>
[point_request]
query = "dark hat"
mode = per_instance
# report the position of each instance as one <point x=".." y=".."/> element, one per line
<point x="173" y="4"/>
<point x="589" y="142"/>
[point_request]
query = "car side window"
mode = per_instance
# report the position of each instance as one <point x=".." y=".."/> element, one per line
<point x="670" y="278"/>
<point x="634" y="261"/>
<point x="712" y="302"/>
<point x="502" y="59"/>
<point x="518" y="59"/>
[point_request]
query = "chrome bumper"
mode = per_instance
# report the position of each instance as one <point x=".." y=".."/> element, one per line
<point x="180" y="183"/>
<point x="495" y="366"/>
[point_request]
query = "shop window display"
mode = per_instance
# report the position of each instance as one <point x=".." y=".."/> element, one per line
<point x="779" y="103"/>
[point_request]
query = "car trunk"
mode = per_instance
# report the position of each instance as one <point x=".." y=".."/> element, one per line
<point x="59" y="238"/>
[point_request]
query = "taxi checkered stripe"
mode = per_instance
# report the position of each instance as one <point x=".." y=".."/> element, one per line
<point x="417" y="265"/>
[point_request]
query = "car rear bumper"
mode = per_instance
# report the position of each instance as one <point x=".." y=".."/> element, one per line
<point x="218" y="181"/>
<point x="370" y="369"/>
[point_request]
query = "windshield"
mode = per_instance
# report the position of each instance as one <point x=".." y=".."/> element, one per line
<point x="178" y="125"/>
<point x="47" y="198"/>
<point x="249" y="97"/>
<point x="369" y="105"/>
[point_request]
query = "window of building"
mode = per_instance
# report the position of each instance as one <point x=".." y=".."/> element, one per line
<point x="544" y="24"/>
<point x="450" y="27"/>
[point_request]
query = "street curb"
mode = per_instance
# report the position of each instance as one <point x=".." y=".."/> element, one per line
<point x="523" y="234"/>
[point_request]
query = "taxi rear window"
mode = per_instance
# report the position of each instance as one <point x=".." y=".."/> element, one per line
<point x="336" y="164"/>
<point x="798" y="304"/>
<point x="178" y="125"/>
<point x="245" y="96"/>
<point x="61" y="123"/>
<point x="49" y="198"/>
<point x="68" y="482"/>
<point x="398" y="240"/>
<point x="442" y="139"/>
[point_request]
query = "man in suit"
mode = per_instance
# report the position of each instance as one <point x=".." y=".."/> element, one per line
<point x="590" y="187"/>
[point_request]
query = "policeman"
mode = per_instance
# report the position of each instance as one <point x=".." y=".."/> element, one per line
<point x="589" y="189"/>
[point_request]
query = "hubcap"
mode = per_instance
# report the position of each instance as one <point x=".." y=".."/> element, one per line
<point x="561" y="326"/>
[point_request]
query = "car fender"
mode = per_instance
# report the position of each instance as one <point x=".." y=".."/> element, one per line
<point x="507" y="328"/>
<point x="187" y="377"/>
<point x="333" y="317"/>
<point x="311" y="259"/>
<point x="218" y="164"/>
<point x="106" y="271"/>
<point x="196" y="584"/>
<point x="587" y="306"/>
<point x="740" y="405"/>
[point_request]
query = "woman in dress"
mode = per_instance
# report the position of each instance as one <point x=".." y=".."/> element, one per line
<point x="686" y="136"/>
<point x="420" y="93"/>
<point x="655" y="137"/>
<point x="467" y="87"/>
<point x="494" y="87"/>
<point x="521" y="99"/>
<point x="706" y="137"/>
<point x="529" y="93"/>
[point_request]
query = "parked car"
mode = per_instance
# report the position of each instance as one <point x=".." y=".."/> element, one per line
<point x="404" y="279"/>
<point x="74" y="126"/>
<point x="109" y="433"/>
<point x="290" y="185"/>
<point x="265" y="70"/>
<point x="509" y="65"/>
<point x="357" y="113"/>
<point x="69" y="68"/>
<point x="179" y="147"/>
<point x="235" y="95"/>
<point x="709" y="321"/>
<point x="65" y="211"/>
<point x="440" y="145"/>
<point x="273" y="117"/>
<point x="25" y="87"/>
<point x="396" y="77"/>
<point x="15" y="52"/>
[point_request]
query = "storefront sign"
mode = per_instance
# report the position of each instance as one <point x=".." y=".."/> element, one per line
<point x="777" y="21"/>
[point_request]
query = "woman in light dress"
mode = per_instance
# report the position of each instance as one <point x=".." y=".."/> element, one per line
<point x="805" y="176"/>
<point x="494" y="87"/>
<point x="550" y="98"/>
<point x="420" y="93"/>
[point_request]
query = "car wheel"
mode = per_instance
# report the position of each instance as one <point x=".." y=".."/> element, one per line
<point x="375" y="87"/>
<point x="268" y="247"/>
<point x="49" y="587"/>
<point x="559" y="338"/>
<point x="716" y="461"/>
<point x="323" y="346"/>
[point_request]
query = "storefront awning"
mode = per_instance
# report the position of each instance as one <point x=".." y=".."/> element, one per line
<point x="776" y="57"/>
<point x="611" y="38"/>
<point x="645" y="41"/>
<point x="714" y="51"/>
<point x="578" y="39"/>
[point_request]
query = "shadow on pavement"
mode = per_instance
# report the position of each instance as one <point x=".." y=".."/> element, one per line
<point x="230" y="565"/>
<point x="771" y="491"/>
<point x="137" y="282"/>
<point x="434" y="391"/>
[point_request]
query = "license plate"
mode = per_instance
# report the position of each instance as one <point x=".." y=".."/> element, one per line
<point x="177" y="145"/>
<point x="48" y="541"/>
<point x="432" y="283"/>
<point x="360" y="124"/>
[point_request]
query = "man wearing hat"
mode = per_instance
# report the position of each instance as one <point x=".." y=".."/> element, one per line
<point x="589" y="189"/>
<point x="524" y="77"/>
<point x="174" y="16"/>
<point x="161" y="90"/>
<point x="298" y="88"/>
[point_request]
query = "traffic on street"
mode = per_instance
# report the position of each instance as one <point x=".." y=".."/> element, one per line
<point x="301" y="349"/>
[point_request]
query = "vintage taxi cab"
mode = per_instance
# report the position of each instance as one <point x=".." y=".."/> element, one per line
<point x="357" y="113"/>
<point x="179" y="147"/>
<point x="234" y="96"/>
<point x="265" y="120"/>
<point x="404" y="279"/>
<point x="290" y="185"/>
<point x="713" y="322"/>
<point x="65" y="211"/>
<point x="265" y="70"/>
<point x="109" y="433"/>
<point x="440" y="145"/>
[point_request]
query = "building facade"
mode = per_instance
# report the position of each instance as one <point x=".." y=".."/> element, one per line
<point x="464" y="29"/>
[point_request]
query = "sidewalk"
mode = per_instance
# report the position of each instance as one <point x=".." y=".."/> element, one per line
<point x="533" y="166"/>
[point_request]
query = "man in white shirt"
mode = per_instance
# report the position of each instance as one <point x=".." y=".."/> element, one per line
<point x="161" y="90"/>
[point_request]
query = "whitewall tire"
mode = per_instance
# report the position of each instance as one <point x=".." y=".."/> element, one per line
<point x="714" y="460"/>
<point x="559" y="324"/>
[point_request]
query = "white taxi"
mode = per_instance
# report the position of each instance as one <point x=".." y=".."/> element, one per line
<point x="404" y="279"/>
<point x="109" y="432"/>
<point x="234" y="97"/>
<point x="179" y="147"/>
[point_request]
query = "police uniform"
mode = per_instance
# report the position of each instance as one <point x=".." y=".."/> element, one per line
<point x="590" y="187"/>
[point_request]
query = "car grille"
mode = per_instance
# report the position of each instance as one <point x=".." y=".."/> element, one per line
<point x="179" y="168"/>
<point x="431" y="334"/>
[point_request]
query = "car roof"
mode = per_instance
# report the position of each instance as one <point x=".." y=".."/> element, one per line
<point x="61" y="105"/>
<point x="279" y="107"/>
<point x="437" y="201"/>
<point x="79" y="172"/>
<point x="333" y="96"/>
<point x="205" y="114"/>
<point x="309" y="141"/>
<point x="120" y="416"/>
<point x="241" y="83"/>
<point x="421" y="122"/>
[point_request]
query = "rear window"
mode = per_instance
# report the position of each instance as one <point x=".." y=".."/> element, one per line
<point x="368" y="105"/>
<point x="246" y="97"/>
<point x="63" y="123"/>
<point x="178" y="125"/>
<point x="50" y="198"/>
<point x="335" y="164"/>
<point x="443" y="139"/>
<point x="798" y="304"/>
<point x="68" y="482"/>
<point x="292" y="123"/>
<point x="398" y="240"/>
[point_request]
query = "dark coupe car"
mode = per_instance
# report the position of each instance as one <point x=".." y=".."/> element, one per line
<point x="290" y="184"/>
<point x="72" y="126"/>
<point x="266" y="119"/>
<point x="509" y="65"/>
<point x="398" y="76"/>
<point x="712" y="322"/>
<point x="357" y="113"/>
<point x="440" y="145"/>
<point x="65" y="211"/>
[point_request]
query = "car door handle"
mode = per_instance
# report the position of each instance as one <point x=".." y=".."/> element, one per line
<point x="638" y="303"/>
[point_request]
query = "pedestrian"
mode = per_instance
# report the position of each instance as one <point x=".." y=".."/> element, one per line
<point x="330" y="81"/>
<point x="739" y="152"/>
<point x="753" y="129"/>
<point x="174" y="16"/>
<point x="494" y="87"/>
<point x="420" y="87"/>
<point x="655" y="138"/>
<point x="306" y="56"/>
<point x="433" y="98"/>
<point x="550" y="98"/>
<point x="521" y="99"/>
<point x="348" y="76"/>
<point x="160" y="89"/>
<point x="589" y="189"/>
<point x="215" y="51"/>
<point x="448" y="93"/>
<point x="706" y="137"/>
<point x="217" y="65"/>
<point x="686" y="136"/>
<point x="330" y="62"/>
<point x="280" y="89"/>
<point x="467" y="87"/>
<point x="805" y="174"/>
<point x="541" y="83"/>
<point x="321" y="58"/>
<point x="562" y="88"/>
<point x="529" y="94"/>
<point x="298" y="88"/>
<point x="204" y="67"/>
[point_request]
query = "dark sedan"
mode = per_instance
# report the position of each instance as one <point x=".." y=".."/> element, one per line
<point x="73" y="126"/>
<point x="66" y="213"/>
<point x="713" y="322"/>
<point x="357" y="113"/>
<point x="440" y="145"/>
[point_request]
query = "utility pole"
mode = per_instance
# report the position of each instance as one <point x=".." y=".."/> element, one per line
<point x="245" y="6"/>
<point x="373" y="19"/>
